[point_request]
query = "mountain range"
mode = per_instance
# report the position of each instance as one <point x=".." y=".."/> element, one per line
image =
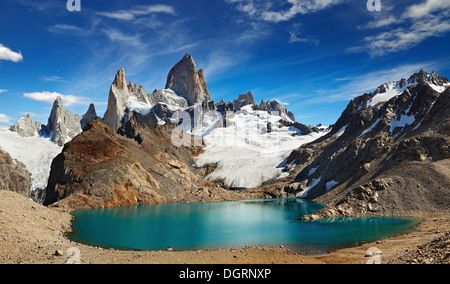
<point x="388" y="153"/>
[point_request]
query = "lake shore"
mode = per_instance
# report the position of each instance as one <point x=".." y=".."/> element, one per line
<point x="31" y="233"/>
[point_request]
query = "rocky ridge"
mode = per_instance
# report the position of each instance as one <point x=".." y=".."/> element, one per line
<point x="378" y="158"/>
<point x="186" y="91"/>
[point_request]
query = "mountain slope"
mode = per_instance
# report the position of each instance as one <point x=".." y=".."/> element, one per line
<point x="36" y="153"/>
<point x="101" y="168"/>
<point x="361" y="165"/>
<point x="13" y="175"/>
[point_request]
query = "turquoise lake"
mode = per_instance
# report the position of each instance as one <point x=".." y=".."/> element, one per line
<point x="226" y="225"/>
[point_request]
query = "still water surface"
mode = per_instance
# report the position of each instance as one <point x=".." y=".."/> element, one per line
<point x="226" y="225"/>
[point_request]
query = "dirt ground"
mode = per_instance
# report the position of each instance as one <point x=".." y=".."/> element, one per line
<point x="34" y="234"/>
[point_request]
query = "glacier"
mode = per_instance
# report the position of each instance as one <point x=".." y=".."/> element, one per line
<point x="36" y="153"/>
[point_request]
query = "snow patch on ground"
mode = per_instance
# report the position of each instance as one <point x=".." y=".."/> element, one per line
<point x="393" y="90"/>
<point x="439" y="89"/>
<point x="311" y="185"/>
<point x="340" y="132"/>
<point x="331" y="184"/>
<point x="403" y="120"/>
<point x="371" y="127"/>
<point x="36" y="153"/>
<point x="246" y="154"/>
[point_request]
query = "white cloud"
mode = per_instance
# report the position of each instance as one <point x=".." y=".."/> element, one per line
<point x="5" y="119"/>
<point x="138" y="11"/>
<point x="62" y="28"/>
<point x="426" y="8"/>
<point x="9" y="55"/>
<point x="368" y="82"/>
<point x="416" y="24"/>
<point x="53" y="79"/>
<point x="50" y="97"/>
<point x="294" y="38"/>
<point x="118" y="36"/>
<point x="3" y="91"/>
<point x="266" y="11"/>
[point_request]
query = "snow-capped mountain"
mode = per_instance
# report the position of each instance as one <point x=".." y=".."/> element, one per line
<point x="36" y="145"/>
<point x="261" y="136"/>
<point x="390" y="90"/>
<point x="247" y="143"/>
<point x="400" y="130"/>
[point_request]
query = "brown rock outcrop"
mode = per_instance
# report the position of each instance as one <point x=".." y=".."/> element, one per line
<point x="14" y="175"/>
<point x="403" y="140"/>
<point x="100" y="168"/>
<point x="187" y="82"/>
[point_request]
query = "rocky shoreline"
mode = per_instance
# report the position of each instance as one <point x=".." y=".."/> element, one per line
<point x="33" y="234"/>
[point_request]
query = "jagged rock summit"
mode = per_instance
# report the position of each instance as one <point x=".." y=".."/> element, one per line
<point x="90" y="115"/>
<point x="62" y="124"/>
<point x="117" y="100"/>
<point x="26" y="126"/>
<point x="185" y="91"/>
<point x="127" y="101"/>
<point x="187" y="82"/>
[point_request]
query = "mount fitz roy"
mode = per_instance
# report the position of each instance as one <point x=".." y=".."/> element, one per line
<point x="388" y="153"/>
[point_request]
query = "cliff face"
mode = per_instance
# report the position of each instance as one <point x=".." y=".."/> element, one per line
<point x="100" y="168"/>
<point x="13" y="175"/>
<point x="187" y="82"/>
<point x="117" y="100"/>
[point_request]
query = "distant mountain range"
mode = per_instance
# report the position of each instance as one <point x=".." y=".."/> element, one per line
<point x="388" y="153"/>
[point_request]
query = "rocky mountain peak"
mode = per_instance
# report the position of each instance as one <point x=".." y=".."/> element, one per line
<point x="188" y="58"/>
<point x="404" y="121"/>
<point x="62" y="125"/>
<point x="276" y="106"/>
<point x="26" y="126"/>
<point x="119" y="81"/>
<point x="244" y="100"/>
<point x="117" y="100"/>
<point x="90" y="115"/>
<point x="187" y="82"/>
<point x="423" y="77"/>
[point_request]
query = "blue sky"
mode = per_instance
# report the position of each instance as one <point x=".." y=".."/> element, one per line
<point x="312" y="55"/>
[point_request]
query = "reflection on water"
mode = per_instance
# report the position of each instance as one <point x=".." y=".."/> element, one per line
<point x="226" y="224"/>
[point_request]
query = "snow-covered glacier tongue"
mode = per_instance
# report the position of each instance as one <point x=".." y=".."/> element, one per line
<point x="36" y="153"/>
<point x="251" y="149"/>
